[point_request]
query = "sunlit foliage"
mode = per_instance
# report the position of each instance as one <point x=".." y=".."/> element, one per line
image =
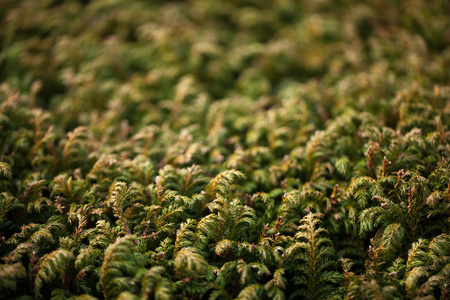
<point x="224" y="149"/>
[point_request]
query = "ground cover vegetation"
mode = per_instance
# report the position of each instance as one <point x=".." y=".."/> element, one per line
<point x="235" y="149"/>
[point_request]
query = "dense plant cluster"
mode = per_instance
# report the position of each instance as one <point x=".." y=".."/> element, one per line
<point x="235" y="149"/>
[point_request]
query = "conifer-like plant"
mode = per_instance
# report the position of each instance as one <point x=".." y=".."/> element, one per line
<point x="310" y="259"/>
<point x="224" y="149"/>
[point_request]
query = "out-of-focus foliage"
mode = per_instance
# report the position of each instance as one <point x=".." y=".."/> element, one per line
<point x="224" y="149"/>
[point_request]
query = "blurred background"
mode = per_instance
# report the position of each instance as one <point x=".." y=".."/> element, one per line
<point x="198" y="69"/>
<point x="78" y="55"/>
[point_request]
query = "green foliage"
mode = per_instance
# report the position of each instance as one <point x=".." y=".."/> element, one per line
<point x="252" y="292"/>
<point x="54" y="266"/>
<point x="190" y="263"/>
<point x="120" y="266"/>
<point x="5" y="170"/>
<point x="9" y="276"/>
<point x="309" y="258"/>
<point x="224" y="149"/>
<point x="222" y="182"/>
<point x="154" y="283"/>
